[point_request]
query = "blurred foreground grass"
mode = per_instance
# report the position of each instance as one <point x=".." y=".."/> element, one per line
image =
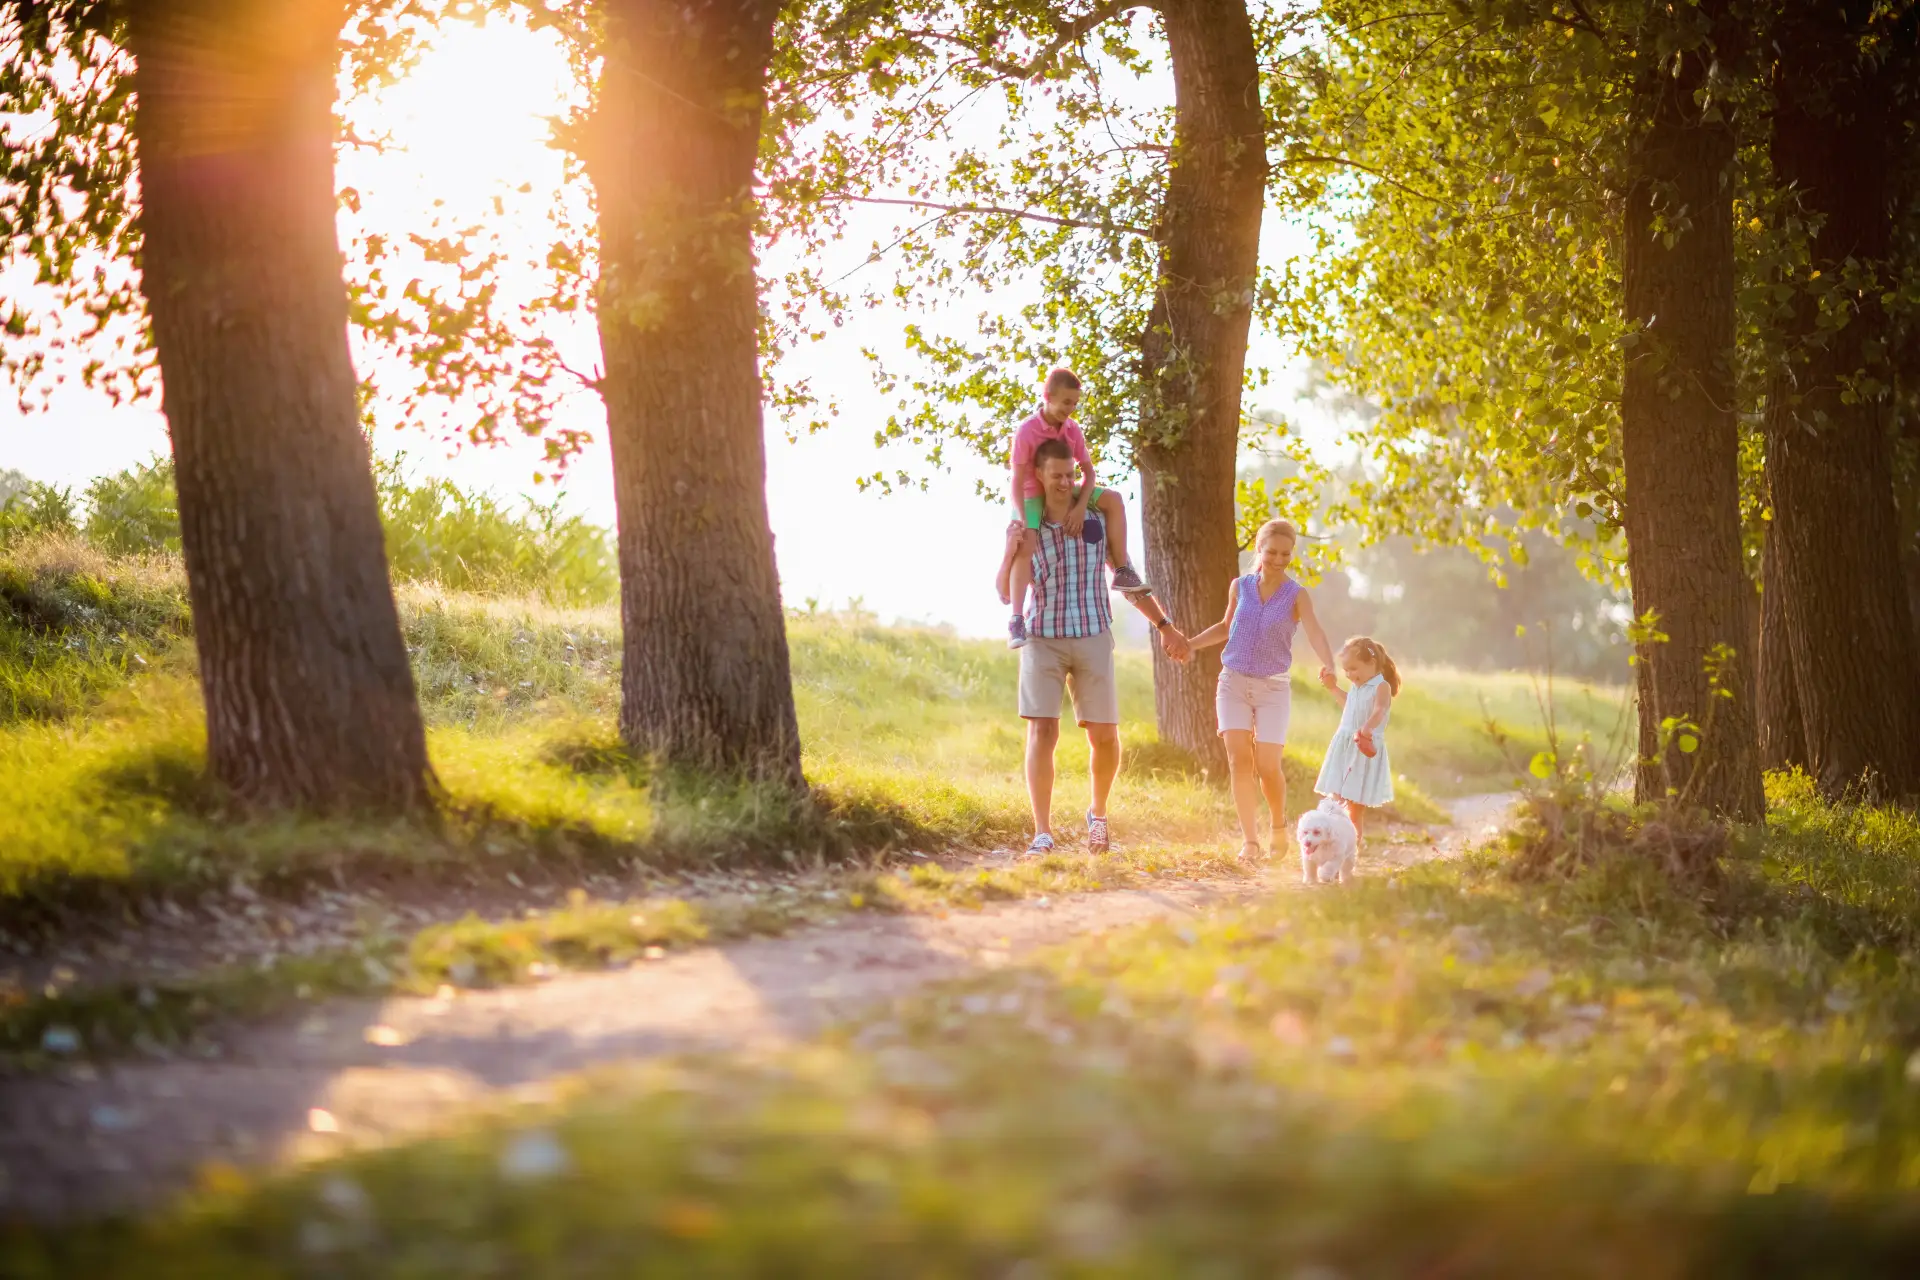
<point x="1450" y="1073"/>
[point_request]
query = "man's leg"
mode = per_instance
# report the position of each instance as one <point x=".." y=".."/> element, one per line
<point x="1104" y="739"/>
<point x="1042" y="737"/>
<point x="1043" y="683"/>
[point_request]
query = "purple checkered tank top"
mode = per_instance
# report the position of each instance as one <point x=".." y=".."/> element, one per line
<point x="1261" y="642"/>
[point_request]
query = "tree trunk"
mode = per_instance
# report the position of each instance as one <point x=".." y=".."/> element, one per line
<point x="1829" y="459"/>
<point x="1783" y="734"/>
<point x="310" y="702"/>
<point x="705" y="680"/>
<point x="1194" y="350"/>
<point x="1680" y="443"/>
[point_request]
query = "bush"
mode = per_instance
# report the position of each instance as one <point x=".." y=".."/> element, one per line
<point x="29" y="507"/>
<point x="435" y="532"/>
<point x="439" y="532"/>
<point x="1567" y="832"/>
<point x="134" y="512"/>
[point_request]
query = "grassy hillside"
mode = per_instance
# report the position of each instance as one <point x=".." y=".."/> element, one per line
<point x="910" y="738"/>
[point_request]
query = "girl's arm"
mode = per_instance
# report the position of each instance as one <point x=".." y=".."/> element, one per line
<point x="1217" y="633"/>
<point x="1077" y="512"/>
<point x="1316" y="634"/>
<point x="1382" y="700"/>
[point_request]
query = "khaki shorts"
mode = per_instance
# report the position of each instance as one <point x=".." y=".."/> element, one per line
<point x="1255" y="704"/>
<point x="1049" y="667"/>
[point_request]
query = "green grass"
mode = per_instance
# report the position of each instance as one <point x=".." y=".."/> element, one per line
<point x="909" y="738"/>
<point x="1455" y="1072"/>
<point x="76" y="625"/>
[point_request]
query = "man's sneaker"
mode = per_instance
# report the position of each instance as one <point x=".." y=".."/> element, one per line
<point x="1042" y="844"/>
<point x="1129" y="583"/>
<point x="1098" y="841"/>
<point x="1016" y="632"/>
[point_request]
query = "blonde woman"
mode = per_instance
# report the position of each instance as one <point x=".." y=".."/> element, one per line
<point x="1254" y="699"/>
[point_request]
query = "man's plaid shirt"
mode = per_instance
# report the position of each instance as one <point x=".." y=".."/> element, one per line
<point x="1069" y="597"/>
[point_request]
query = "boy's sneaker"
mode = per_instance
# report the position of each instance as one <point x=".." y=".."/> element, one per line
<point x="1041" y="845"/>
<point x="1016" y="632"/>
<point x="1098" y="841"/>
<point x="1129" y="583"/>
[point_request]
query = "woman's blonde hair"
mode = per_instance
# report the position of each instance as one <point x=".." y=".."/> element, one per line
<point x="1274" y="529"/>
<point x="1375" y="652"/>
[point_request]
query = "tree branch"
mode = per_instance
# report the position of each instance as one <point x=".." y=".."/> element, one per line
<point x="1367" y="169"/>
<point x="1582" y="20"/>
<point x="1028" y="215"/>
<point x="1064" y="34"/>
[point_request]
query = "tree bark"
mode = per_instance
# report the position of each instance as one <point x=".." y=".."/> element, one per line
<point x="1783" y="734"/>
<point x="1194" y="349"/>
<point x="1680" y="444"/>
<point x="310" y="701"/>
<point x="706" y="678"/>
<point x="1829" y="458"/>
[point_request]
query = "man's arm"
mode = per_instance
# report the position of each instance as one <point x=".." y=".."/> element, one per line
<point x="1176" y="644"/>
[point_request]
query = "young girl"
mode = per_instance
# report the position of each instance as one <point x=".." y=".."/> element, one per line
<point x="1357" y="772"/>
<point x="1253" y="700"/>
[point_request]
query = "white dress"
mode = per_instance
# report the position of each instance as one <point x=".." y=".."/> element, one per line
<point x="1349" y="774"/>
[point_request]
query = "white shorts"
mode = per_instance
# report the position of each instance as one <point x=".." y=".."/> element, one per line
<point x="1255" y="704"/>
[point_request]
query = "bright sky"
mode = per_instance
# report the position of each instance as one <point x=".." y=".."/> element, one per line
<point x="471" y="124"/>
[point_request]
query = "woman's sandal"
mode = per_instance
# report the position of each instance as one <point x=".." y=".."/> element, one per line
<point x="1250" y="852"/>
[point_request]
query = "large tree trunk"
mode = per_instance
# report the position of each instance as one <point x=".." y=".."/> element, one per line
<point x="705" y="680"/>
<point x="1195" y="348"/>
<point x="1829" y="461"/>
<point x="1680" y="442"/>
<point x="310" y="702"/>
<point x="1783" y="733"/>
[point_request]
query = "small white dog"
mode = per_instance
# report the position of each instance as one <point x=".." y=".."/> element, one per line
<point x="1328" y="843"/>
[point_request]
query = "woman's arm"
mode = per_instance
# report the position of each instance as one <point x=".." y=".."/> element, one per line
<point x="1217" y="633"/>
<point x="1316" y="634"/>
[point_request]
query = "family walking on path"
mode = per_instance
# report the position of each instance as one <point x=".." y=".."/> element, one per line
<point x="1066" y="533"/>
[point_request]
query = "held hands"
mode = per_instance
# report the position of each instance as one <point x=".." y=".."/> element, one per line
<point x="1328" y="680"/>
<point x="1076" y="520"/>
<point x="1177" y="646"/>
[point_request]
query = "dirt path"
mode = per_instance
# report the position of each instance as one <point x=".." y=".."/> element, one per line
<point x="95" y="1138"/>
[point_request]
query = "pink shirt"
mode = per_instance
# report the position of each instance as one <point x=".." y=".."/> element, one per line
<point x="1027" y="437"/>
